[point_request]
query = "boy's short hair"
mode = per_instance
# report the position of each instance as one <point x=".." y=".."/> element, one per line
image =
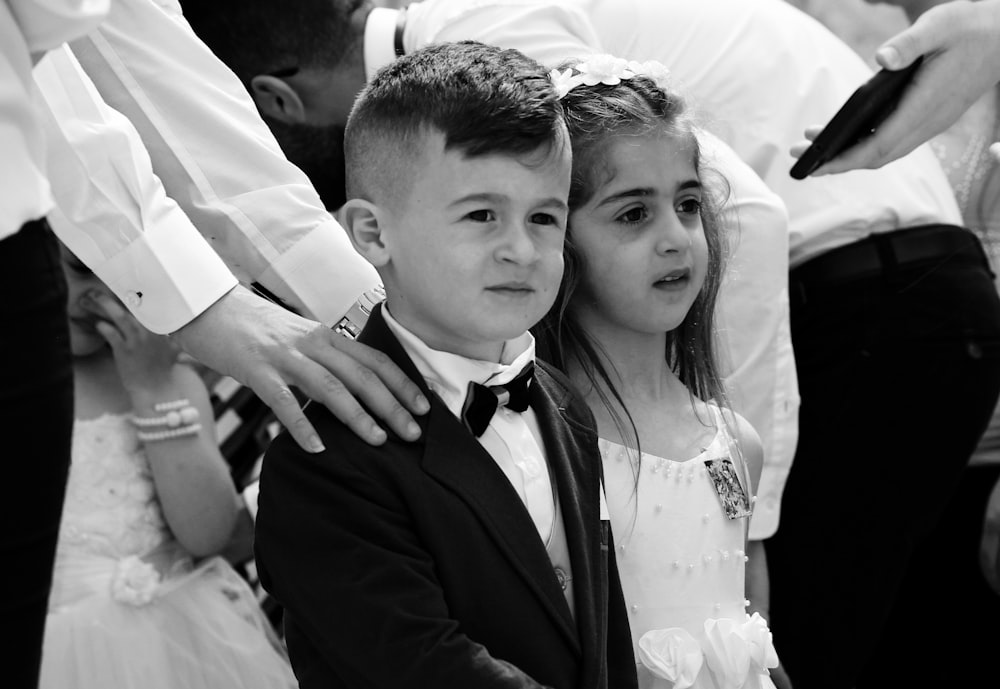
<point x="483" y="99"/>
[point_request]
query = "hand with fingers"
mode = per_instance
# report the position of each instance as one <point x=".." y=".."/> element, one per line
<point x="270" y="350"/>
<point x="144" y="359"/>
<point x="960" y="42"/>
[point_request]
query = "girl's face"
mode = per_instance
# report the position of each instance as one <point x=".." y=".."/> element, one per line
<point x="640" y="237"/>
<point x="83" y="336"/>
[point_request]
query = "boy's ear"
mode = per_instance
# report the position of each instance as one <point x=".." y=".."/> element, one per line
<point x="277" y="99"/>
<point x="361" y="219"/>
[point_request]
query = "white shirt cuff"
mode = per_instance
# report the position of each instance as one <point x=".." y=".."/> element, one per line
<point x="167" y="276"/>
<point x="303" y="270"/>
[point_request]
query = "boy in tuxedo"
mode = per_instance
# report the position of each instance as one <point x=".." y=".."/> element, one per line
<point x="478" y="556"/>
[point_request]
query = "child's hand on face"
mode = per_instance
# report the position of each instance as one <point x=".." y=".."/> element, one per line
<point x="144" y="360"/>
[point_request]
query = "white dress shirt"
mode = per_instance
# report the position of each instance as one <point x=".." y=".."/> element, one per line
<point x="218" y="160"/>
<point x="30" y="27"/>
<point x="112" y="211"/>
<point x="513" y="439"/>
<point x="753" y="305"/>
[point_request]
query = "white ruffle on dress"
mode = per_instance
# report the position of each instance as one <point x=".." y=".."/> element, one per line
<point x="681" y="561"/>
<point x="128" y="608"/>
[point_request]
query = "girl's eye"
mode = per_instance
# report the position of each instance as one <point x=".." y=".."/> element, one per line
<point x="689" y="206"/>
<point x="481" y="216"/>
<point x="633" y="215"/>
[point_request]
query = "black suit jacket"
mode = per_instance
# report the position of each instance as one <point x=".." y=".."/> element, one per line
<point x="415" y="564"/>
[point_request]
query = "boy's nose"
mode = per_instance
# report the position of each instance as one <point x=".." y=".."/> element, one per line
<point x="519" y="244"/>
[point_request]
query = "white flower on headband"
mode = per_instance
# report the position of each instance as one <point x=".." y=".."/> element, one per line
<point x="606" y="69"/>
<point x="564" y="81"/>
<point x="651" y="69"/>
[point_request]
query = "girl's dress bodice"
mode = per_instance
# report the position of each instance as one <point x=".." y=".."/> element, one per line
<point x="129" y="607"/>
<point x="682" y="563"/>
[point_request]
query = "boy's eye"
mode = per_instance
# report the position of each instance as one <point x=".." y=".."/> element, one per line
<point x="481" y="216"/>
<point x="633" y="215"/>
<point x="689" y="206"/>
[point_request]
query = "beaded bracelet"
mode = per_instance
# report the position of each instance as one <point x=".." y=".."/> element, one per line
<point x="154" y="436"/>
<point x="176" y="413"/>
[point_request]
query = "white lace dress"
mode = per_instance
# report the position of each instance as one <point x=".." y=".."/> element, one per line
<point x="681" y="561"/>
<point x="128" y="608"/>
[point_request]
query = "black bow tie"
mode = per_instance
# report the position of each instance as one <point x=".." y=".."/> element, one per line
<point x="481" y="401"/>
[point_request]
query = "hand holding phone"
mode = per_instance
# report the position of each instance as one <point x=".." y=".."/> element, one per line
<point x="857" y="119"/>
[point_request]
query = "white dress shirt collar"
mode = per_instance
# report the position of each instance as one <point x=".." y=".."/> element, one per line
<point x="449" y="374"/>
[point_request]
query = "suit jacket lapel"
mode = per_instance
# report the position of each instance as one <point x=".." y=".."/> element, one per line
<point x="577" y="475"/>
<point x="455" y="458"/>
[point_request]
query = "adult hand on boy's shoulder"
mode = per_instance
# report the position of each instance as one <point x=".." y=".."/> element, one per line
<point x="271" y="349"/>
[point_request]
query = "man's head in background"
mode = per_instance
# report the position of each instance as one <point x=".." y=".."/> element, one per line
<point x="303" y="64"/>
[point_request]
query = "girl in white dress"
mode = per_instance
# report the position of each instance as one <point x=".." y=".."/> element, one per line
<point x="140" y="599"/>
<point x="633" y="327"/>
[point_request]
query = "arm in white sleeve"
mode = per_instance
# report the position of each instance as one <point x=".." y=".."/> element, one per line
<point x="112" y="210"/>
<point x="752" y="321"/>
<point x="45" y="24"/>
<point x="218" y="160"/>
<point x="548" y="33"/>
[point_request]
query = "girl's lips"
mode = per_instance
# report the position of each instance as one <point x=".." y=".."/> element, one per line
<point x="674" y="277"/>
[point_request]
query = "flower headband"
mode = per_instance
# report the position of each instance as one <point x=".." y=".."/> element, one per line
<point x="607" y="69"/>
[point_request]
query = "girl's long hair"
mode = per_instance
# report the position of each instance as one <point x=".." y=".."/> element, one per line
<point x="595" y="114"/>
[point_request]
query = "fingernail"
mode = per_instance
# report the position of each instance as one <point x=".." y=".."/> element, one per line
<point x="422" y="404"/>
<point x="888" y="57"/>
<point x="315" y="444"/>
<point x="413" y="430"/>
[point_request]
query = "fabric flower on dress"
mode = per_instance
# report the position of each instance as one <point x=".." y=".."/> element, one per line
<point x="672" y="654"/>
<point x="759" y="641"/>
<point x="134" y="582"/>
<point x="727" y="652"/>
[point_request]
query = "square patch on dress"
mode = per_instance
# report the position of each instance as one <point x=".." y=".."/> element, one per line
<point x="727" y="485"/>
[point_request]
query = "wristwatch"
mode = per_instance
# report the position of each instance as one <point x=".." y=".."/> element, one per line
<point x="352" y="323"/>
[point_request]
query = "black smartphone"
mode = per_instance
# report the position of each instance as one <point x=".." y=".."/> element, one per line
<point x="857" y="119"/>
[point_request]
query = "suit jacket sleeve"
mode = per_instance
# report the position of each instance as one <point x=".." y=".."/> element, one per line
<point x="336" y="547"/>
<point x="621" y="658"/>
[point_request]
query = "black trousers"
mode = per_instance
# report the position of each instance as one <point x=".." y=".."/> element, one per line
<point x="944" y="598"/>
<point x="36" y="420"/>
<point x="899" y="372"/>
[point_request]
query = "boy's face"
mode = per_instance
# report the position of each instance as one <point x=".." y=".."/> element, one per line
<point x="475" y="247"/>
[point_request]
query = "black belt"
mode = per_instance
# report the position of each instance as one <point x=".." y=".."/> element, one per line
<point x="881" y="255"/>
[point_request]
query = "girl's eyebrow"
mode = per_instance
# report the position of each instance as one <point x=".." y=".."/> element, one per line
<point x="641" y="192"/>
<point x="627" y="194"/>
